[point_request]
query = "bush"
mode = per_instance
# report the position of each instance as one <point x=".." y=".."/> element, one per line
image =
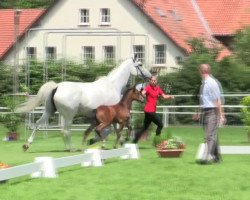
<point x="245" y="112"/>
<point x="10" y="119"/>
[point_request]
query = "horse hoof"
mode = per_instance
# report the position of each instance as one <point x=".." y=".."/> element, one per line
<point x="25" y="147"/>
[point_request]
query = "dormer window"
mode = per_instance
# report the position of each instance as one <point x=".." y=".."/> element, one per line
<point x="84" y="16"/>
<point x="105" y="16"/>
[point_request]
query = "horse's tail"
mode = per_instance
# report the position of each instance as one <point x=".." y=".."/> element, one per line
<point x="44" y="92"/>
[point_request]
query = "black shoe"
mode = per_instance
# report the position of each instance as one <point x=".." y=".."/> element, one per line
<point x="92" y="141"/>
<point x="216" y="160"/>
<point x="134" y="141"/>
<point x="204" y="162"/>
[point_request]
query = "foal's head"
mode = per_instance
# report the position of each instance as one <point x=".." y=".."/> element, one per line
<point x="134" y="94"/>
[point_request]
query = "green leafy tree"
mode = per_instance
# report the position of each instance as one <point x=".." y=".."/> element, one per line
<point x="25" y="3"/>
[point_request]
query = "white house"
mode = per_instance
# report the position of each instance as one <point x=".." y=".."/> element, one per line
<point x="112" y="30"/>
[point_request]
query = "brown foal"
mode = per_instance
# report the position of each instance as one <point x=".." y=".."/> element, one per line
<point x="118" y="113"/>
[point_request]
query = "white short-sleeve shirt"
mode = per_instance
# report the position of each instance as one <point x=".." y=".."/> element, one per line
<point x="210" y="92"/>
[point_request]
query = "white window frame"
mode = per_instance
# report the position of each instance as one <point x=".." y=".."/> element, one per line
<point x="139" y="50"/>
<point x="88" y="53"/>
<point x="105" y="17"/>
<point x="50" y="55"/>
<point x="29" y="54"/>
<point x="160" y="55"/>
<point x="109" y="57"/>
<point x="84" y="17"/>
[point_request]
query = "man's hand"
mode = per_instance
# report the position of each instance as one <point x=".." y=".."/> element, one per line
<point x="196" y="116"/>
<point x="222" y="121"/>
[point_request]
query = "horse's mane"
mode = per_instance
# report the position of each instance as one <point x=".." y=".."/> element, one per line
<point x="113" y="71"/>
<point x="125" y="94"/>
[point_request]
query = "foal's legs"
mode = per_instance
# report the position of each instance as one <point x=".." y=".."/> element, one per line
<point x="118" y="134"/>
<point x="86" y="134"/>
<point x="98" y="130"/>
<point x="129" y="131"/>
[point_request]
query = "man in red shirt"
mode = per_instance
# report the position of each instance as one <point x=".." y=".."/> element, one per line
<point x="152" y="91"/>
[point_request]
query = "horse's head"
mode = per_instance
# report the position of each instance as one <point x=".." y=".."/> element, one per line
<point x="138" y="69"/>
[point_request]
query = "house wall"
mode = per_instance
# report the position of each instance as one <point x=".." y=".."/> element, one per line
<point x="60" y="28"/>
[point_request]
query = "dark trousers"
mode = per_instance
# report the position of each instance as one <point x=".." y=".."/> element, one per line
<point x="210" y="124"/>
<point x="149" y="117"/>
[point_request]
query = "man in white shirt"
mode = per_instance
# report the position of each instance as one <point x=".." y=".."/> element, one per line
<point x="212" y="112"/>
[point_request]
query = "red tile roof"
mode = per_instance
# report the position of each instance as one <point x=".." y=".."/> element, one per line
<point x="7" y="32"/>
<point x="225" y="17"/>
<point x="176" y="18"/>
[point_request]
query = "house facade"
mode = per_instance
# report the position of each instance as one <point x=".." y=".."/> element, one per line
<point x="110" y="30"/>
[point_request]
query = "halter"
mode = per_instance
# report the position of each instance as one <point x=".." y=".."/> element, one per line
<point x="143" y="76"/>
<point x="138" y="69"/>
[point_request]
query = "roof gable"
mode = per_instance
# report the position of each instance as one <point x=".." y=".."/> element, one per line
<point x="7" y="30"/>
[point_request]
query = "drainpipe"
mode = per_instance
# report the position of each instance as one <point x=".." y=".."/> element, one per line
<point x="202" y="19"/>
<point x="17" y="13"/>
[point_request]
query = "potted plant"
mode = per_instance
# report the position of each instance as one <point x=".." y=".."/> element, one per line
<point x="245" y="114"/>
<point x="169" y="146"/>
<point x="10" y="119"/>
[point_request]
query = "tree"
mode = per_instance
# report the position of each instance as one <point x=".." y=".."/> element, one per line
<point x="25" y="3"/>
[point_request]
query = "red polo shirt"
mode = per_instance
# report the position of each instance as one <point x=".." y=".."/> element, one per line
<point x="152" y="94"/>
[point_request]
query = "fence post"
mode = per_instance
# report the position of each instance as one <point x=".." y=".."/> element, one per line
<point x="165" y="117"/>
<point x="95" y="158"/>
<point x="47" y="170"/>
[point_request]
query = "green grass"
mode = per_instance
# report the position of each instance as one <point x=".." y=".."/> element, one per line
<point x="150" y="177"/>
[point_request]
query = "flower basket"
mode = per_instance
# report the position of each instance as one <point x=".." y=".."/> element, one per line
<point x="170" y="148"/>
<point x="170" y="152"/>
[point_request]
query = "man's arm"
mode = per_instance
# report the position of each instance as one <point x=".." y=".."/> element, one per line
<point x="220" y="111"/>
<point x="167" y="96"/>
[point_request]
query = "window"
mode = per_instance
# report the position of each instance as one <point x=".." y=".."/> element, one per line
<point x="105" y="16"/>
<point x="88" y="54"/>
<point x="139" y="50"/>
<point x="50" y="53"/>
<point x="160" y="54"/>
<point x="109" y="54"/>
<point x="31" y="52"/>
<point x="84" y="16"/>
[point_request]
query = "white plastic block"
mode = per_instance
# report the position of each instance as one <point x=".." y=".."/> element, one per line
<point x="96" y="160"/>
<point x="202" y="152"/>
<point x="133" y="152"/>
<point x="47" y="170"/>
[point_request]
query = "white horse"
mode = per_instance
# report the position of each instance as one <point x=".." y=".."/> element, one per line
<point x="71" y="98"/>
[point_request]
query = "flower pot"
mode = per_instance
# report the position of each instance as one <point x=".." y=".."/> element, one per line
<point x="170" y="152"/>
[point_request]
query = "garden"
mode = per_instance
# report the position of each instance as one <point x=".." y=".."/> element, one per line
<point x="150" y="177"/>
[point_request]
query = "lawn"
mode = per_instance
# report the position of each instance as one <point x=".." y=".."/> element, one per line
<point x="150" y="177"/>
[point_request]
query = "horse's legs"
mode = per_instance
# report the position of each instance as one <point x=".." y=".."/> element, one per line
<point x="67" y="122"/>
<point x="42" y="120"/>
